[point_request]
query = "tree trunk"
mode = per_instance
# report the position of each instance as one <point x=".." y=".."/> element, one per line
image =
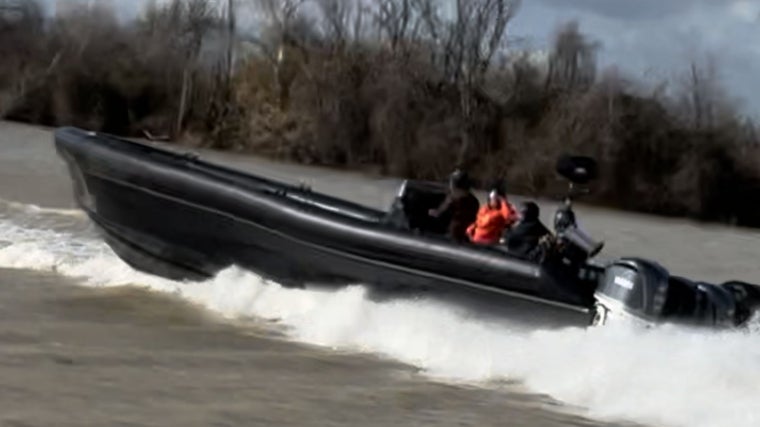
<point x="465" y="98"/>
<point x="182" y="103"/>
<point x="231" y="23"/>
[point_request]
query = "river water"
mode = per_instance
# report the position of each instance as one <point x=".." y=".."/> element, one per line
<point x="85" y="340"/>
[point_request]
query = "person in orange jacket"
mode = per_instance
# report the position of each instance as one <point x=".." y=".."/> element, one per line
<point x="493" y="218"/>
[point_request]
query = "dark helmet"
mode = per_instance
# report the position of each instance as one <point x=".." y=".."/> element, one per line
<point x="529" y="211"/>
<point x="460" y="179"/>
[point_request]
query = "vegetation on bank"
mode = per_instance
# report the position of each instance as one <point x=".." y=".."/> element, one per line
<point x="391" y="84"/>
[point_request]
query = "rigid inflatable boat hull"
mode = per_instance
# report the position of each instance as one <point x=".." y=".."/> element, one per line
<point x="163" y="218"/>
<point x="263" y="254"/>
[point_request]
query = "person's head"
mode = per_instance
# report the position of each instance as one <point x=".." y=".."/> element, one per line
<point x="459" y="181"/>
<point x="529" y="211"/>
<point x="495" y="195"/>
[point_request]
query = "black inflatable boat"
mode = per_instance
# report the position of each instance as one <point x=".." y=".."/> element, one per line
<point x="176" y="216"/>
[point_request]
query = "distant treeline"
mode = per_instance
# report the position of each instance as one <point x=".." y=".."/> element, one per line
<point x="395" y="85"/>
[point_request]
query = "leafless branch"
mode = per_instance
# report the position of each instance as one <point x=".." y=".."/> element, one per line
<point x="394" y="19"/>
<point x="572" y="63"/>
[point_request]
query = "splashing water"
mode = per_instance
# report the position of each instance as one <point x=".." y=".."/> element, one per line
<point x="663" y="376"/>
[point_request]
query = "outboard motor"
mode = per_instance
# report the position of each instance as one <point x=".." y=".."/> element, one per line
<point x="645" y="291"/>
<point x="631" y="287"/>
<point x="746" y="297"/>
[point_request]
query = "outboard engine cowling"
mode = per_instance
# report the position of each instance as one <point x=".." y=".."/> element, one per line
<point x="633" y="287"/>
<point x="646" y="291"/>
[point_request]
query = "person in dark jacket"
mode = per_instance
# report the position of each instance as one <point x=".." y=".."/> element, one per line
<point x="461" y="204"/>
<point x="523" y="239"/>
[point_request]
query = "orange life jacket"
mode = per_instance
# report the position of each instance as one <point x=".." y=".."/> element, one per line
<point x="490" y="223"/>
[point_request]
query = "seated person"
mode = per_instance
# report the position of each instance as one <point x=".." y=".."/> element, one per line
<point x="493" y="218"/>
<point x="565" y="217"/>
<point x="524" y="238"/>
<point x="461" y="204"/>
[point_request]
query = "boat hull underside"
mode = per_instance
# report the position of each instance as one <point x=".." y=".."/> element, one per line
<point x="131" y="222"/>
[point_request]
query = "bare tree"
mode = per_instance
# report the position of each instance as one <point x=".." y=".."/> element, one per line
<point x="394" y="19"/>
<point x="703" y="100"/>
<point x="21" y="14"/>
<point x="27" y="64"/>
<point x="699" y="91"/>
<point x="572" y="62"/>
<point x="470" y="42"/>
<point x="182" y="26"/>
<point x="231" y="27"/>
<point x="463" y="45"/>
<point x="341" y="20"/>
<point x="281" y="22"/>
<point x="521" y="79"/>
<point x="283" y="28"/>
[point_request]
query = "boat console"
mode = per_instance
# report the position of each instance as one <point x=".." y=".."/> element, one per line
<point x="411" y="206"/>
